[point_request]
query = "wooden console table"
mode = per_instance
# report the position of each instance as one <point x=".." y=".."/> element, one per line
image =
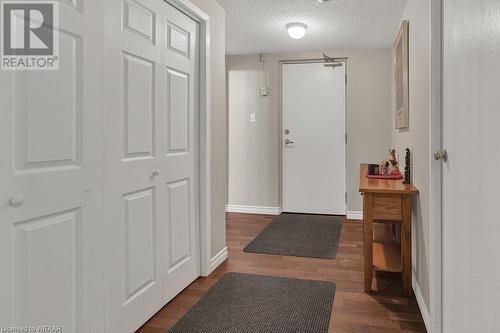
<point x="387" y="202"/>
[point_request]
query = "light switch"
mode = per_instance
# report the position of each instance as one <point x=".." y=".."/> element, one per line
<point x="252" y="117"/>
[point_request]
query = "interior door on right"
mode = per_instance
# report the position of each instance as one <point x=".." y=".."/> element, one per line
<point x="313" y="139"/>
<point x="471" y="196"/>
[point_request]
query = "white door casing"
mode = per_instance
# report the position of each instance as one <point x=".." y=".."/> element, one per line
<point x="51" y="168"/>
<point x="313" y="163"/>
<point x="435" y="291"/>
<point x="151" y="158"/>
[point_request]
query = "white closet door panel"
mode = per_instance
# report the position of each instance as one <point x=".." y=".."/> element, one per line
<point x="51" y="183"/>
<point x="180" y="149"/>
<point x="138" y="107"/>
<point x="131" y="183"/>
<point x="139" y="20"/>
<point x="151" y="152"/>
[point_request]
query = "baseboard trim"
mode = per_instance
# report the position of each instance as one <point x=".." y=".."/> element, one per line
<point x="217" y="260"/>
<point x="253" y="209"/>
<point x="354" y="215"/>
<point x="421" y="303"/>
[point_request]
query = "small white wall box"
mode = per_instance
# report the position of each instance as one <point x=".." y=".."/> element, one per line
<point x="264" y="91"/>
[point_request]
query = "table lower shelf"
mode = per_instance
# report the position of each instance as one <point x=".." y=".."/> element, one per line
<point x="386" y="251"/>
<point x="387" y="257"/>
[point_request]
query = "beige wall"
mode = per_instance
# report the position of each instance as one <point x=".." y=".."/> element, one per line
<point x="417" y="136"/>
<point x="218" y="148"/>
<point x="254" y="170"/>
<point x="253" y="177"/>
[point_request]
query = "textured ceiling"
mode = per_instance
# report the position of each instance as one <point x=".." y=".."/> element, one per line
<point x="255" y="26"/>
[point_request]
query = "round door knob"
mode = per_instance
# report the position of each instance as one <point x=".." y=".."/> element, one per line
<point x="16" y="200"/>
<point x="156" y="172"/>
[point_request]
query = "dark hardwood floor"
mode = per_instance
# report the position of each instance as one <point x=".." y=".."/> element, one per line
<point x="353" y="311"/>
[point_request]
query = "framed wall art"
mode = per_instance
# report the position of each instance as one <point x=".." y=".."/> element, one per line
<point x="401" y="77"/>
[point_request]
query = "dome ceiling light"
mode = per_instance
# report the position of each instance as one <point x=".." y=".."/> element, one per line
<point x="296" y="30"/>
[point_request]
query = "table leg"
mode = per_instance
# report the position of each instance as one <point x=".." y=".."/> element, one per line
<point x="368" y="239"/>
<point x="406" y="246"/>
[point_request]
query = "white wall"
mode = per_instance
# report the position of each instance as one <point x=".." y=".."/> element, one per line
<point x="417" y="136"/>
<point x="218" y="145"/>
<point x="254" y="165"/>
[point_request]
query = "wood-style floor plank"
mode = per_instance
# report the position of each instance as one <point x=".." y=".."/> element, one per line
<point x="382" y="311"/>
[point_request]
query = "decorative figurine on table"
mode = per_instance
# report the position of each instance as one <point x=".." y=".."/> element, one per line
<point x="407" y="178"/>
<point x="390" y="167"/>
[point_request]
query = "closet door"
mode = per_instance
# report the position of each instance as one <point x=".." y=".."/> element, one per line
<point x="51" y="182"/>
<point x="151" y="170"/>
<point x="134" y="172"/>
<point x="179" y="105"/>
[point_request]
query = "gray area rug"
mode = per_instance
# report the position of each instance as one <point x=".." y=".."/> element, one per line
<point x="301" y="235"/>
<point x="246" y="303"/>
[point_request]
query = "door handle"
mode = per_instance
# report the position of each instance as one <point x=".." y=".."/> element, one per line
<point x="441" y="155"/>
<point x="156" y="172"/>
<point x="288" y="142"/>
<point x="17" y="200"/>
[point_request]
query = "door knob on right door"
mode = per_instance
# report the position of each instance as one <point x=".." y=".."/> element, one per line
<point x="441" y="155"/>
<point x="16" y="200"/>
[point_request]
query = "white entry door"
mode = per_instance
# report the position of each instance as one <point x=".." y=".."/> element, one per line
<point x="152" y="158"/>
<point x="471" y="273"/>
<point x="313" y="139"/>
<point x="51" y="183"/>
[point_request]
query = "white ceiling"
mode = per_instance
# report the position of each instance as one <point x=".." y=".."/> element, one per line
<point x="259" y="26"/>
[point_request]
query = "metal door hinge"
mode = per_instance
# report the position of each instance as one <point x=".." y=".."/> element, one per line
<point x="441" y="155"/>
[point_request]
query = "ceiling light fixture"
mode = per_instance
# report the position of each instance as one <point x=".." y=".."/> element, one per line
<point x="296" y="30"/>
<point x="324" y="1"/>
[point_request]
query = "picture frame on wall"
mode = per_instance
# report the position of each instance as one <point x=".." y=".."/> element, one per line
<point x="401" y="49"/>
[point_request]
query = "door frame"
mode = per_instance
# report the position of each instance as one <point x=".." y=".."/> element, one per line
<point x="436" y="182"/>
<point x="280" y="121"/>
<point x="204" y="135"/>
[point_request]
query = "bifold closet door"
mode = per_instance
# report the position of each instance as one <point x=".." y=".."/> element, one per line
<point x="51" y="183"/>
<point x="179" y="104"/>
<point x="151" y="180"/>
